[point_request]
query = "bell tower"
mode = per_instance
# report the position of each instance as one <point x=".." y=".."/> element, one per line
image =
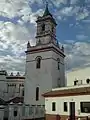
<point x="46" y="28"/>
<point x="44" y="61"/>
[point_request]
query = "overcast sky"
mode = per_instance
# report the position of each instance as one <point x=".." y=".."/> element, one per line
<point x="17" y="26"/>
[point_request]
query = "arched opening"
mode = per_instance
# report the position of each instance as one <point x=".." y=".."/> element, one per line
<point x="38" y="62"/>
<point x="37" y="93"/>
<point x="43" y="27"/>
<point x="22" y="92"/>
<point x="58" y="63"/>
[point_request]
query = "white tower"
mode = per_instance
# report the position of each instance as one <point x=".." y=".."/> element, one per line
<point x="44" y="62"/>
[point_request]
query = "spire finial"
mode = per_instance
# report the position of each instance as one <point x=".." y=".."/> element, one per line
<point x="47" y="10"/>
<point x="46" y="4"/>
<point x="62" y="48"/>
<point x="28" y="44"/>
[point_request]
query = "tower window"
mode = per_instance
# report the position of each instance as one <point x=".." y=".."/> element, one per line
<point x="37" y="93"/>
<point x="38" y="62"/>
<point x="43" y="27"/>
<point x="58" y="63"/>
<point x="22" y="92"/>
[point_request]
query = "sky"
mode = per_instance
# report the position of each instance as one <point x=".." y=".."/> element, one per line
<point x="18" y="26"/>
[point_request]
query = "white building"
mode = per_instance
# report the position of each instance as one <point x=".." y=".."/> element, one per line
<point x="11" y="86"/>
<point x="44" y="61"/>
<point x="11" y="91"/>
<point x="78" y="77"/>
<point x="68" y="103"/>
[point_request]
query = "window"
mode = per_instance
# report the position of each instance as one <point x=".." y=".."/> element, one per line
<point x="75" y="82"/>
<point x="85" y="107"/>
<point x="53" y="106"/>
<point x="43" y="27"/>
<point x="58" y="63"/>
<point x="37" y="93"/>
<point x="22" y="92"/>
<point x="65" y="106"/>
<point x="15" y="113"/>
<point x="38" y="62"/>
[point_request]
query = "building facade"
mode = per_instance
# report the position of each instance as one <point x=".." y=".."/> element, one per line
<point x="78" y="77"/>
<point x="11" y="95"/>
<point x="44" y="61"/>
<point x="68" y="103"/>
<point x="11" y="85"/>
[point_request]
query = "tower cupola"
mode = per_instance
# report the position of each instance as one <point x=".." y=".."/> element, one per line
<point x="46" y="28"/>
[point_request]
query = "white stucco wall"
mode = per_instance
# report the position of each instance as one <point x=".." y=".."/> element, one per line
<point x="37" y="77"/>
<point x="59" y="104"/>
<point x="80" y="74"/>
<point x="58" y="73"/>
<point x="45" y="78"/>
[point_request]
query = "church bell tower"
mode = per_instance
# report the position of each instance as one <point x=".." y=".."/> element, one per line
<point x="44" y="61"/>
<point x="46" y="28"/>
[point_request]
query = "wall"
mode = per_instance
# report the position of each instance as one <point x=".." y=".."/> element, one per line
<point x="45" y="78"/>
<point x="38" y="77"/>
<point x="81" y="74"/>
<point x="58" y="73"/>
<point x="25" y="111"/>
<point x="10" y="87"/>
<point x="15" y="87"/>
<point x="59" y="104"/>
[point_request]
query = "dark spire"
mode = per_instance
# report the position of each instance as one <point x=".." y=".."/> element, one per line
<point x="62" y="48"/>
<point x="28" y="44"/>
<point x="47" y="11"/>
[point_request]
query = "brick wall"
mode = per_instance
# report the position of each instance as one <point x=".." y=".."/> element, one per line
<point x="61" y="117"/>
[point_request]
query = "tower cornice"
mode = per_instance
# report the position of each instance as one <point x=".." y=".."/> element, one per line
<point x="40" y="18"/>
<point x="44" y="48"/>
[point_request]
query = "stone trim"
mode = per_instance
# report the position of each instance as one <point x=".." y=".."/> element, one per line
<point x="51" y="48"/>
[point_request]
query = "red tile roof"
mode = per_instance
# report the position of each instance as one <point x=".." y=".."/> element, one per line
<point x="68" y="92"/>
